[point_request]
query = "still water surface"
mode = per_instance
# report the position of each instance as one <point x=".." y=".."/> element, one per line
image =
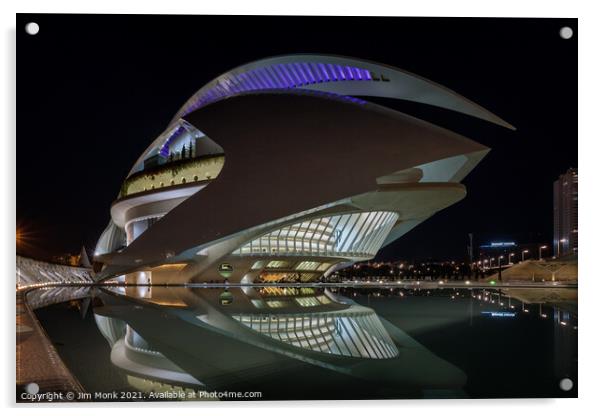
<point x="278" y="343"/>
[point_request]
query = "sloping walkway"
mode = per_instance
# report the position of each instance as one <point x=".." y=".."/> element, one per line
<point x="37" y="360"/>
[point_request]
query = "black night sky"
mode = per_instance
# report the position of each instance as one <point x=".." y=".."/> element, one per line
<point x="93" y="91"/>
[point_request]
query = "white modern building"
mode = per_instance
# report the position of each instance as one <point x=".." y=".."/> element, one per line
<point x="281" y="170"/>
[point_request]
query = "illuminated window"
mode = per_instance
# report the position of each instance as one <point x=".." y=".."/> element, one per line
<point x="276" y="303"/>
<point x="307" y="302"/>
<point x="358" y="234"/>
<point x="308" y="265"/>
<point x="279" y="277"/>
<point x="324" y="299"/>
<point x="307" y="277"/>
<point x="257" y="265"/>
<point x="277" y="264"/>
<point x="354" y="333"/>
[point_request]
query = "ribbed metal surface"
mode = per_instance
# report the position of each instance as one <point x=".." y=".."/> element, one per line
<point x="31" y="271"/>
<point x="351" y="334"/>
<point x="359" y="234"/>
<point x="280" y="76"/>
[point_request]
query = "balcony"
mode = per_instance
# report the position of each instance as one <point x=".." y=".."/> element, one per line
<point x="173" y="173"/>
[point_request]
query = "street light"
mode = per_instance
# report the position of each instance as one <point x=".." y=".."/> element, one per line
<point x="499" y="261"/>
<point x="510" y="258"/>
<point x="541" y="248"/>
<point x="524" y="251"/>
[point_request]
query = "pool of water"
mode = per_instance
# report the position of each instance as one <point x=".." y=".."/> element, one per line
<point x="279" y="343"/>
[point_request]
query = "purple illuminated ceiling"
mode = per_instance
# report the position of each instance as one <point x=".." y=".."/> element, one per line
<point x="165" y="148"/>
<point x="280" y="76"/>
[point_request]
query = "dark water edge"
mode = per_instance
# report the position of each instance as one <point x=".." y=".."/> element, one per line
<point x="81" y="347"/>
<point x="87" y="354"/>
<point x="502" y="358"/>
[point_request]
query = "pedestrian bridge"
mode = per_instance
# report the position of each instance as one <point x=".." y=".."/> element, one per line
<point x="35" y="273"/>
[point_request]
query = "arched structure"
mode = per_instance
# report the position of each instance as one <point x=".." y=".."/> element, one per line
<point x="279" y="171"/>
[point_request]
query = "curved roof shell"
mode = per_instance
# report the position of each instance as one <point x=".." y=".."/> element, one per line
<point x="343" y="76"/>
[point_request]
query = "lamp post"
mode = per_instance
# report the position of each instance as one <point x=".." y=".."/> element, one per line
<point x="524" y="252"/>
<point x="491" y="263"/>
<point x="510" y="258"/>
<point x="541" y="248"/>
<point x="499" y="268"/>
<point x="562" y="240"/>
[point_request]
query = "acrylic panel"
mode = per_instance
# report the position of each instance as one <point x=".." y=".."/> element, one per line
<point x="235" y="208"/>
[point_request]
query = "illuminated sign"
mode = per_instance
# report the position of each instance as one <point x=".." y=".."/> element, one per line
<point x="498" y="244"/>
<point x="500" y="314"/>
<point x="225" y="269"/>
<point x="226" y="298"/>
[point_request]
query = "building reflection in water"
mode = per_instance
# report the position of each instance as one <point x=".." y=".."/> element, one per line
<point x="223" y="338"/>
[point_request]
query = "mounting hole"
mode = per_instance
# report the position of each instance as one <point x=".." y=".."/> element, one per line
<point x="566" y="32"/>
<point x="566" y="384"/>
<point x="32" y="388"/>
<point x="32" y="28"/>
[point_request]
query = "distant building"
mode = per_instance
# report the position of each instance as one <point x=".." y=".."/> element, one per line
<point x="565" y="213"/>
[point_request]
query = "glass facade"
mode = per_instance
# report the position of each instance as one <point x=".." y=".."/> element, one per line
<point x="286" y="277"/>
<point x="257" y="265"/>
<point x="308" y="265"/>
<point x="356" y="333"/>
<point x="358" y="234"/>
<point x="277" y="264"/>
